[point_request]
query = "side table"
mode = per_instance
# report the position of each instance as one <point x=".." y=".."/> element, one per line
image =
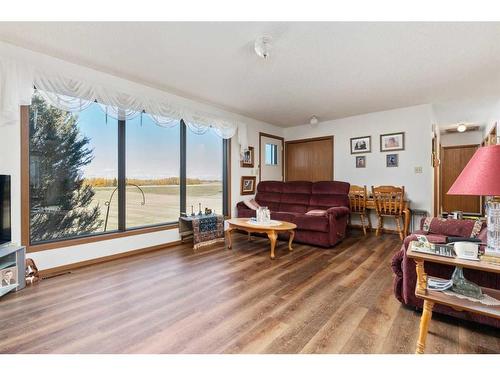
<point x="432" y="297"/>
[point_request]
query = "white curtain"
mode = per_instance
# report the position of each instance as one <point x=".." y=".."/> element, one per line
<point x="16" y="88"/>
<point x="70" y="94"/>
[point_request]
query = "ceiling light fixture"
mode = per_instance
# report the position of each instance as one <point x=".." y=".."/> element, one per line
<point x="262" y="46"/>
<point x="314" y="120"/>
<point x="461" y="128"/>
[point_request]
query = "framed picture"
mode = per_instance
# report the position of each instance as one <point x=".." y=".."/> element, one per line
<point x="8" y="276"/>
<point x="392" y="160"/>
<point x="360" y="161"/>
<point x="360" y="145"/>
<point x="247" y="159"/>
<point x="392" y="142"/>
<point x="247" y="185"/>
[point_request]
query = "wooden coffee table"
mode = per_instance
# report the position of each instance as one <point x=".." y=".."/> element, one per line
<point x="271" y="231"/>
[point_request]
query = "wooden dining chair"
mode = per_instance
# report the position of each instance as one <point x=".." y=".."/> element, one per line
<point x="357" y="201"/>
<point x="389" y="202"/>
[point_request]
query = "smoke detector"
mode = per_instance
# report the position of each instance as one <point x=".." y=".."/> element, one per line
<point x="461" y="128"/>
<point x="262" y="46"/>
<point x="314" y="120"/>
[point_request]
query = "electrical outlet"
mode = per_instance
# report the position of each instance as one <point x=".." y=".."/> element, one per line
<point x="418" y="169"/>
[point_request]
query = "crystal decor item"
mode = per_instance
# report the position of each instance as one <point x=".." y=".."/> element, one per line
<point x="493" y="238"/>
<point x="263" y="215"/>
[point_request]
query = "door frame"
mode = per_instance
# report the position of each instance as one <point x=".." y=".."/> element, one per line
<point x="267" y="135"/>
<point x="441" y="192"/>
<point x="324" y="138"/>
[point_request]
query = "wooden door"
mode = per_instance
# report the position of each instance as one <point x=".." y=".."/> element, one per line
<point x="309" y="159"/>
<point x="453" y="161"/>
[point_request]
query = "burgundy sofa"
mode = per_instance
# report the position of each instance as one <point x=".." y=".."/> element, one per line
<point x="405" y="276"/>
<point x="289" y="201"/>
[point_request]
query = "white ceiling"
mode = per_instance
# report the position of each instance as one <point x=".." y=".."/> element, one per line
<point x="331" y="69"/>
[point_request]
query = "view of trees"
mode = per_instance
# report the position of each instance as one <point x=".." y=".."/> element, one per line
<point x="61" y="201"/>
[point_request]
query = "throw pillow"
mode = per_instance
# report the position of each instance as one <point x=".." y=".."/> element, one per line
<point x="251" y="204"/>
<point x="452" y="227"/>
<point x="316" y="213"/>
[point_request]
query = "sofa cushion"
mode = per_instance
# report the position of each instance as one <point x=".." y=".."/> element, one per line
<point x="324" y="202"/>
<point x="298" y="187"/>
<point x="294" y="202"/>
<point x="330" y="187"/>
<point x="270" y="186"/>
<point x="284" y="216"/>
<point x="312" y="223"/>
<point x="268" y="199"/>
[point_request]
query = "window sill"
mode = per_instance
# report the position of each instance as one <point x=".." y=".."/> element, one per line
<point x="98" y="238"/>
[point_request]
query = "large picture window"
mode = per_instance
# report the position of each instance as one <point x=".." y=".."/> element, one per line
<point x="90" y="174"/>
<point x="72" y="159"/>
<point x="152" y="173"/>
<point x="204" y="172"/>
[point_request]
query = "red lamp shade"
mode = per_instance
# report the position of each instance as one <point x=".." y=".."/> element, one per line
<point x="481" y="176"/>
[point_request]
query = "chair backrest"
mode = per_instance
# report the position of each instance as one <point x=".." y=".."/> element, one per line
<point x="357" y="198"/>
<point x="388" y="199"/>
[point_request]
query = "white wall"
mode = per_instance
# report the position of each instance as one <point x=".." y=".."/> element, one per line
<point x="415" y="121"/>
<point x="10" y="163"/>
<point x="254" y="127"/>
<point x="459" y="139"/>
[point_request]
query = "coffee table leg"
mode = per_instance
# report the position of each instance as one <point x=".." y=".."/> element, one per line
<point x="290" y="240"/>
<point x="272" y="237"/>
<point x="229" y="239"/>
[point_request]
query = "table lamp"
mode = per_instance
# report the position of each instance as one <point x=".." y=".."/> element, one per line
<point x="481" y="176"/>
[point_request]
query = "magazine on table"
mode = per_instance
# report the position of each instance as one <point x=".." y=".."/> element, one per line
<point x="438" y="284"/>
<point x="424" y="246"/>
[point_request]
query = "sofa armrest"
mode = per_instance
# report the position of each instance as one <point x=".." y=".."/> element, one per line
<point x="338" y="211"/>
<point x="241" y="205"/>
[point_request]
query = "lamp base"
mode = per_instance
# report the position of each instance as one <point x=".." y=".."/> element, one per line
<point x="493" y="223"/>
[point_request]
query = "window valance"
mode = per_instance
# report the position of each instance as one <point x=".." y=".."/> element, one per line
<point x="17" y="82"/>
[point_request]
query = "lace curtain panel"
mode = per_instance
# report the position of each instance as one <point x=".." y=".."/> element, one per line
<point x="16" y="88"/>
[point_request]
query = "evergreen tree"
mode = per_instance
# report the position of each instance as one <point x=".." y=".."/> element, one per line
<point x="61" y="203"/>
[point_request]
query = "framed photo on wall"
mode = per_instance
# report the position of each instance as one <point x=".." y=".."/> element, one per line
<point x="361" y="145"/>
<point x="392" y="160"/>
<point x="392" y="142"/>
<point x="247" y="159"/>
<point x="360" y="161"/>
<point x="248" y="185"/>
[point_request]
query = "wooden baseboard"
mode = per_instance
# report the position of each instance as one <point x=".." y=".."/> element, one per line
<point x="69" y="267"/>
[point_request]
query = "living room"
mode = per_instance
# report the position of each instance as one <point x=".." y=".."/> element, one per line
<point x="316" y="187"/>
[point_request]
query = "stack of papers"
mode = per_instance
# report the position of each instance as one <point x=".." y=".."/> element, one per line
<point x="438" y="284"/>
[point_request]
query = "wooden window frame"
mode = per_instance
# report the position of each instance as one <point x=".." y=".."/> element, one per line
<point x="122" y="231"/>
<point x="282" y="153"/>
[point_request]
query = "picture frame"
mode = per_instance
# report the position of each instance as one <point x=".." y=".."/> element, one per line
<point x="392" y="160"/>
<point x="361" y="145"/>
<point x="248" y="158"/>
<point x="361" y="161"/>
<point x="248" y="185"/>
<point x="392" y="142"/>
<point x="8" y="277"/>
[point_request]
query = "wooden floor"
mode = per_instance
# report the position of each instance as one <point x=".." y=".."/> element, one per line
<point x="232" y="301"/>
